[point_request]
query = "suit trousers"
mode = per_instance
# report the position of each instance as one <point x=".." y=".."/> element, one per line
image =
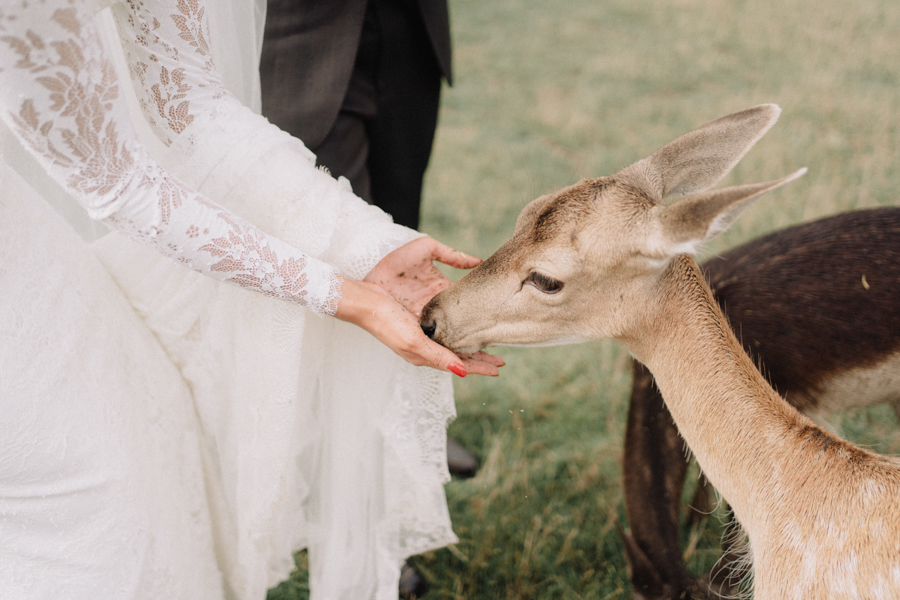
<point x="382" y="137"/>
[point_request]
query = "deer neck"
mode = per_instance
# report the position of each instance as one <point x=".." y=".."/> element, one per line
<point x="731" y="418"/>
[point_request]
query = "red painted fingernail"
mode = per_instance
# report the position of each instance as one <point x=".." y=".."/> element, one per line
<point x="458" y="369"/>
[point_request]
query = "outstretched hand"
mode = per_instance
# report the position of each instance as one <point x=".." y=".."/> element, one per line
<point x="372" y="308"/>
<point x="388" y="302"/>
<point x="409" y="275"/>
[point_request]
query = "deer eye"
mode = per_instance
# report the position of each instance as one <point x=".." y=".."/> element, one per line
<point x="548" y="285"/>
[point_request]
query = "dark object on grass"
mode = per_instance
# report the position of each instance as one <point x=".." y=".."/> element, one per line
<point x="459" y="461"/>
<point x="412" y="585"/>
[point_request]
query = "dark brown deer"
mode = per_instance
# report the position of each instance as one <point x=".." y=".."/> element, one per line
<point x="801" y="302"/>
<point x="608" y="258"/>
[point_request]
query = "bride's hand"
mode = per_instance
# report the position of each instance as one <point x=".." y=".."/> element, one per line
<point x="409" y="275"/>
<point x="375" y="310"/>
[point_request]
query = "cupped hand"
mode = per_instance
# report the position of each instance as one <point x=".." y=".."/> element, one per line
<point x="409" y="275"/>
<point x="375" y="310"/>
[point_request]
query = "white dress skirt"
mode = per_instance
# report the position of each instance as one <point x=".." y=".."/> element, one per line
<point x="101" y="483"/>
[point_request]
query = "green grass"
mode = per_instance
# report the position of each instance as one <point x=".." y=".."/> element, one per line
<point x="549" y="92"/>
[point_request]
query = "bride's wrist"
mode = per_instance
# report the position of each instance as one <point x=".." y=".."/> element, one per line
<point x="350" y="307"/>
<point x="359" y="302"/>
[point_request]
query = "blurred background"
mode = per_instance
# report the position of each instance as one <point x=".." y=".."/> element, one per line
<point x="547" y="93"/>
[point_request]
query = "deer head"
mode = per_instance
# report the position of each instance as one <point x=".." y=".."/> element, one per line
<point x="583" y="262"/>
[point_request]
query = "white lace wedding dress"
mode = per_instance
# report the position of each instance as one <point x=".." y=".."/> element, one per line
<point x="175" y="419"/>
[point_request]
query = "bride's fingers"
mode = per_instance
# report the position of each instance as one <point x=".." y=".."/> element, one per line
<point x="441" y="358"/>
<point x="454" y="258"/>
<point x="475" y="366"/>
<point x="484" y="357"/>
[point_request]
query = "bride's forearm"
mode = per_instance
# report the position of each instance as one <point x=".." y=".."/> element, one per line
<point x="60" y="97"/>
<point x="181" y="93"/>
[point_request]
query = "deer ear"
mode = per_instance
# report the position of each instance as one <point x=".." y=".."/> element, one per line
<point x="686" y="224"/>
<point x="700" y="159"/>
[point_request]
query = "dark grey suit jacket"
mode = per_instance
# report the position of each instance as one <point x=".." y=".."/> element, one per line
<point x="308" y="56"/>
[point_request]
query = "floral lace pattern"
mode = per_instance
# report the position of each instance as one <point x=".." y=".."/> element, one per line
<point x="190" y="23"/>
<point x="267" y="275"/>
<point x="167" y="72"/>
<point x="166" y="93"/>
<point x="61" y="97"/>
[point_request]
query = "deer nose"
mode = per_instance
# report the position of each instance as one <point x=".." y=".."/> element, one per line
<point x="429" y="318"/>
<point x="428" y="327"/>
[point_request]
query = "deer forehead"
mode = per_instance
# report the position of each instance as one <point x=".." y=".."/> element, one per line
<point x="594" y="218"/>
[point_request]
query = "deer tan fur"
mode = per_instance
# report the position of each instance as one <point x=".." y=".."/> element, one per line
<point x="608" y="258"/>
<point x="824" y="336"/>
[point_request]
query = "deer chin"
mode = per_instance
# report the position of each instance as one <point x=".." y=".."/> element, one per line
<point x="558" y="341"/>
<point x="468" y="349"/>
<point x="459" y="345"/>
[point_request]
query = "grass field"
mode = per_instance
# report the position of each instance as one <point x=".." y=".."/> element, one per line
<point x="549" y="92"/>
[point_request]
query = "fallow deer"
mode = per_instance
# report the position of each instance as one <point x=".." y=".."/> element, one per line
<point x="801" y="303"/>
<point x="608" y="258"/>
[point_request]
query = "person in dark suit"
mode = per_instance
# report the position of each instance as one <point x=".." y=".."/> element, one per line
<point x="359" y="82"/>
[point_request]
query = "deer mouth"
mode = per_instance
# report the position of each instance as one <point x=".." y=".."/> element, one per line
<point x="433" y="322"/>
<point x="430" y="328"/>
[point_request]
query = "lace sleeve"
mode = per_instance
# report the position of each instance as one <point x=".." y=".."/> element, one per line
<point x="182" y="96"/>
<point x="59" y="95"/>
